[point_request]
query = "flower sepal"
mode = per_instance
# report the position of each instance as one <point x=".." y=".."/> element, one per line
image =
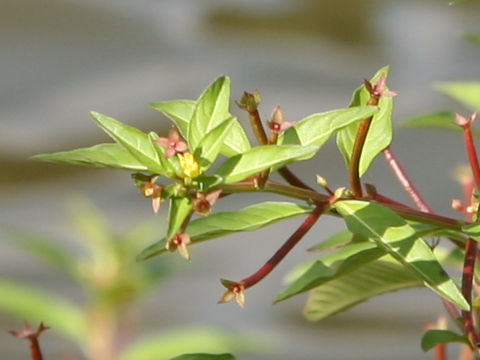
<point x="235" y="291"/>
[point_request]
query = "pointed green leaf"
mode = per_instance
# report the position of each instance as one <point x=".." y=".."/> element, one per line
<point x="204" y="357"/>
<point x="399" y="239"/>
<point x="260" y="158"/>
<point x="319" y="273"/>
<point x="223" y="223"/>
<point x="468" y="93"/>
<point x="180" y="209"/>
<point x="379" y="135"/>
<point x="102" y="155"/>
<point x="236" y="141"/>
<point x="210" y="111"/>
<point x="341" y="238"/>
<point x="435" y="337"/>
<point x="179" y="111"/>
<point x="347" y="290"/>
<point x="209" y="147"/>
<point x="29" y="303"/>
<point x="440" y="120"/>
<point x="316" y="129"/>
<point x="134" y="140"/>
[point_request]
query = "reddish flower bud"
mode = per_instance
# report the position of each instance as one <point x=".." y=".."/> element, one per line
<point x="249" y="101"/>
<point x="379" y="89"/>
<point x="172" y="144"/>
<point x="180" y="243"/>
<point x="235" y="291"/>
<point x="277" y="124"/>
<point x="204" y="202"/>
<point x="463" y="121"/>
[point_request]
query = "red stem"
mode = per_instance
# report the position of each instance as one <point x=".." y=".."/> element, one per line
<point x="354" y="171"/>
<point x="467" y="281"/>
<point x="35" y="349"/>
<point x="292" y="179"/>
<point x="284" y="249"/>
<point x="472" y="153"/>
<point x="405" y="181"/>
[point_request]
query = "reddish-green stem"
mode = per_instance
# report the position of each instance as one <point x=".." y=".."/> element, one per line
<point x="284" y="249"/>
<point x="441" y="352"/>
<point x="315" y="197"/>
<point x="467" y="281"/>
<point x="471" y="244"/>
<point x="292" y="179"/>
<point x="35" y="349"/>
<point x="257" y="127"/>
<point x="354" y="166"/>
<point x="405" y="181"/>
<point x="472" y="153"/>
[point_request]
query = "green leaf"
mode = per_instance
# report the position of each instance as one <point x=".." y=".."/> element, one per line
<point x="350" y="289"/>
<point x="379" y="135"/>
<point x="236" y="141"/>
<point x="135" y="141"/>
<point x="188" y="340"/>
<point x="319" y="273"/>
<point x="29" y="303"/>
<point x="180" y="209"/>
<point x="204" y="357"/>
<point x="260" y="158"/>
<point x="468" y="93"/>
<point x="440" y="120"/>
<point x="102" y="155"/>
<point x="472" y="38"/>
<point x="44" y="249"/>
<point x="209" y="147"/>
<point x="223" y="223"/>
<point x="210" y="111"/>
<point x="338" y="239"/>
<point x="435" y="337"/>
<point x="179" y="111"/>
<point x="399" y="239"/>
<point x="316" y="129"/>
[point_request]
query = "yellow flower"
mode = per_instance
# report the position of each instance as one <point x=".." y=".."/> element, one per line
<point x="189" y="166"/>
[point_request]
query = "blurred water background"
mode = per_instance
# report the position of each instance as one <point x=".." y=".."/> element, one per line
<point x="61" y="59"/>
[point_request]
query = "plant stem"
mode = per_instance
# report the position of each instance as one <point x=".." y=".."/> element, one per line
<point x="292" y="179"/>
<point x="257" y="126"/>
<point x="284" y="249"/>
<point x="35" y="349"/>
<point x="405" y="181"/>
<point x="354" y="171"/>
<point x="315" y="197"/>
<point x="472" y="153"/>
<point x="470" y="245"/>
<point x="467" y="281"/>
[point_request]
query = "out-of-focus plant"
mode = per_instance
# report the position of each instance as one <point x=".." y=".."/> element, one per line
<point x="111" y="283"/>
